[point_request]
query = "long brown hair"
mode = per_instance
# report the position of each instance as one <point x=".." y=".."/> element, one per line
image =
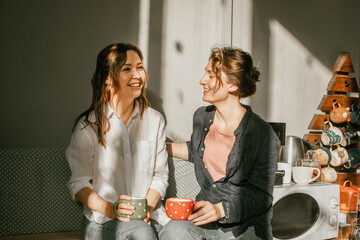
<point x="237" y="65"/>
<point x="109" y="63"/>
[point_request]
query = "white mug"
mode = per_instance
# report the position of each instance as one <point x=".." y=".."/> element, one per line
<point x="339" y="156"/>
<point x="303" y="175"/>
<point x="328" y="174"/>
<point x="287" y="168"/>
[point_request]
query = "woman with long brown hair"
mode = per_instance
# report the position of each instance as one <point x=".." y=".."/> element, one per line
<point x="117" y="149"/>
<point x="234" y="152"/>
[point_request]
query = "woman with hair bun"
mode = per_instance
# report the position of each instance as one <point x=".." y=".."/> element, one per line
<point x="234" y="152"/>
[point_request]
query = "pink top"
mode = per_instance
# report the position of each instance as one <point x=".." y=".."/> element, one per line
<point x="217" y="149"/>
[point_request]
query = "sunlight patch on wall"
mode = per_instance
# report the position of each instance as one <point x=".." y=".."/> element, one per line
<point x="297" y="81"/>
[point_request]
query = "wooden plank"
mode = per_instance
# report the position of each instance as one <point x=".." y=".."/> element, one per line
<point x="318" y="121"/>
<point x="326" y="103"/>
<point x="343" y="63"/>
<point x="311" y="137"/>
<point x="342" y="83"/>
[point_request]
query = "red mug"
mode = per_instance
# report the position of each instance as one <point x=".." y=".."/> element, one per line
<point x="179" y="208"/>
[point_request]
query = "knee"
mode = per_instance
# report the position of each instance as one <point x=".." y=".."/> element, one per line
<point x="175" y="230"/>
<point x="143" y="232"/>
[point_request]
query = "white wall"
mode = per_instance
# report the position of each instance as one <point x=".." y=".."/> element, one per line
<point x="191" y="29"/>
<point x="295" y="42"/>
<point x="298" y="43"/>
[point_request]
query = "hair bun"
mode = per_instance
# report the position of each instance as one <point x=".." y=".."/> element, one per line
<point x="255" y="73"/>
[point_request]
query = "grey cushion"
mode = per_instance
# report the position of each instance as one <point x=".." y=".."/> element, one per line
<point x="34" y="198"/>
<point x="182" y="181"/>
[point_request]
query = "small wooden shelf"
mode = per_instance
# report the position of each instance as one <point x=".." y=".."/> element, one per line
<point x="311" y="137"/>
<point x="318" y="121"/>
<point x="343" y="63"/>
<point x="326" y="104"/>
<point x="342" y="83"/>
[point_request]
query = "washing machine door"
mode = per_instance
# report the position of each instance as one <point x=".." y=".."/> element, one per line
<point x="294" y="215"/>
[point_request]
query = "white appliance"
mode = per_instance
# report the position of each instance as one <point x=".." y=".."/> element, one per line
<point x="308" y="212"/>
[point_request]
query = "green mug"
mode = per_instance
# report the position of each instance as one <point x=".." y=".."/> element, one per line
<point x="140" y="205"/>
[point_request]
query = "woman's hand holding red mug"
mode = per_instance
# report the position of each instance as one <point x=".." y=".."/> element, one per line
<point x="206" y="212"/>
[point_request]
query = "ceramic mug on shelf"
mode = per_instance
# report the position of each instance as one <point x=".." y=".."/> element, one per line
<point x="322" y="153"/>
<point x="304" y="175"/>
<point x="339" y="114"/>
<point x="328" y="174"/>
<point x="350" y="137"/>
<point x="339" y="156"/>
<point x="332" y="135"/>
<point x="355" y="114"/>
<point x="179" y="208"/>
<point x="140" y="205"/>
<point x="354" y="158"/>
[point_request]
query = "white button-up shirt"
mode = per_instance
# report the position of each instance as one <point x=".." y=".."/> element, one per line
<point x="134" y="160"/>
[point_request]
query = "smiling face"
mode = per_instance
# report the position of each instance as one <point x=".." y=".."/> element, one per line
<point x="214" y="90"/>
<point x="132" y="78"/>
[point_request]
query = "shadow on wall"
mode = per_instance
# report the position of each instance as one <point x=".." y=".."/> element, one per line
<point x="324" y="27"/>
<point x="156" y="102"/>
<point x="46" y="62"/>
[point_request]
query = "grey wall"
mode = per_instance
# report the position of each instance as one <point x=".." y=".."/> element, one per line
<point x="48" y="54"/>
<point x="324" y="27"/>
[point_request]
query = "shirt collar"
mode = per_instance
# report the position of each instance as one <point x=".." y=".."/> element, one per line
<point x="109" y="112"/>
<point x="210" y="117"/>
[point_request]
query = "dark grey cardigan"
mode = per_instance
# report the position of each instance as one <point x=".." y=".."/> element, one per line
<point x="246" y="190"/>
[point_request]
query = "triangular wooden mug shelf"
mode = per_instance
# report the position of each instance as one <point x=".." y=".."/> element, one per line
<point x="342" y="89"/>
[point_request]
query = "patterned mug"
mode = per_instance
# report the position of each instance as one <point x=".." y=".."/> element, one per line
<point x="355" y="114"/>
<point x="322" y="153"/>
<point x="350" y="137"/>
<point x="339" y="114"/>
<point x="354" y="158"/>
<point x="140" y="205"/>
<point x="332" y="135"/>
<point x="328" y="174"/>
<point x="179" y="208"/>
<point x="339" y="156"/>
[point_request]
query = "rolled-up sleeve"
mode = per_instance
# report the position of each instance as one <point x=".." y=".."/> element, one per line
<point x="161" y="171"/>
<point x="80" y="157"/>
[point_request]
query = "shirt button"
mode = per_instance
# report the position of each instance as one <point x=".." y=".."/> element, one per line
<point x="214" y="185"/>
<point x="210" y="120"/>
<point x="205" y="129"/>
<point x="202" y="149"/>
